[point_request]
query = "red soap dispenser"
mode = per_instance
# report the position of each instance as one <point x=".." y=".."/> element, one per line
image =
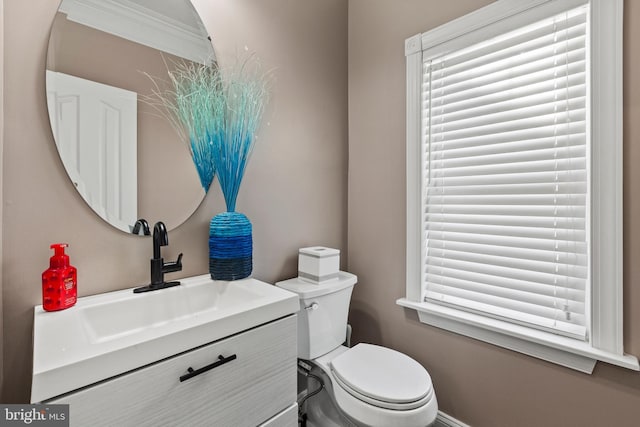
<point x="59" y="281"/>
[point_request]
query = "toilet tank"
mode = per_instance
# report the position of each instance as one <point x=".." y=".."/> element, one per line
<point x="322" y="319"/>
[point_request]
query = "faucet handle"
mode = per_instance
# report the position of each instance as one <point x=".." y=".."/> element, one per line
<point x="170" y="267"/>
<point x="141" y="224"/>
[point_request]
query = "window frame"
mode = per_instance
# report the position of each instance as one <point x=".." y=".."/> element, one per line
<point x="606" y="324"/>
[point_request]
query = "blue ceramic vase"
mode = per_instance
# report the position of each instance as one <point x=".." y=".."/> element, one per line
<point x="230" y="246"/>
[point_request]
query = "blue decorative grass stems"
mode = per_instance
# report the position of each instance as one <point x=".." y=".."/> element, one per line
<point x="188" y="105"/>
<point x="244" y="93"/>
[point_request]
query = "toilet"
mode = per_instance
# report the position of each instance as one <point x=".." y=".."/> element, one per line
<point x="366" y="385"/>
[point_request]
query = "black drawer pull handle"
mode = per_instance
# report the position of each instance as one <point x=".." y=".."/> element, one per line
<point x="221" y="361"/>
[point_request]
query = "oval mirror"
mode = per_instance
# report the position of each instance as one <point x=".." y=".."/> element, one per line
<point x="124" y="158"/>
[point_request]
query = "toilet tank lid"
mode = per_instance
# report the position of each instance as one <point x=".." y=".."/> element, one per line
<point x="306" y="290"/>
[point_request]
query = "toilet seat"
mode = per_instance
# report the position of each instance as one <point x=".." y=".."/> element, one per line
<point x="382" y="377"/>
<point x="405" y="406"/>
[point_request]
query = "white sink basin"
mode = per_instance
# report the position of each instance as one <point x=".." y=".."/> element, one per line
<point x="140" y="312"/>
<point x="109" y="334"/>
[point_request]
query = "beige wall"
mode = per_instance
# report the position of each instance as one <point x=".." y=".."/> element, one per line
<point x="294" y="189"/>
<point x="480" y="384"/>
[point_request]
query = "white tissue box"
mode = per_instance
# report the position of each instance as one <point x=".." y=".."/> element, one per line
<point x="318" y="264"/>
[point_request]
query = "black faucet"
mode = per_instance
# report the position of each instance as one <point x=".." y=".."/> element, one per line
<point x="158" y="266"/>
<point x="141" y="223"/>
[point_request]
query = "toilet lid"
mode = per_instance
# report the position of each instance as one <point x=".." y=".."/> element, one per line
<point x="382" y="374"/>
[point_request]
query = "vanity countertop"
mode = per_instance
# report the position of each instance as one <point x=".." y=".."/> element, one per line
<point x="109" y="334"/>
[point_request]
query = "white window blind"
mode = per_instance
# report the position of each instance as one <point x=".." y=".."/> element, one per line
<point x="506" y="176"/>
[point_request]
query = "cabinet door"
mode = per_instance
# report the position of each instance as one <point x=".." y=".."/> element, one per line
<point x="286" y="418"/>
<point x="243" y="391"/>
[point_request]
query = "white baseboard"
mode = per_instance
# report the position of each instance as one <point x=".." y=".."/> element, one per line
<point x="444" y="420"/>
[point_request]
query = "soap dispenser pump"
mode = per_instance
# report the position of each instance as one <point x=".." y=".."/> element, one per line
<point x="59" y="281"/>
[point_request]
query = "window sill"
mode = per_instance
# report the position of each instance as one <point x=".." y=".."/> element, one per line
<point x="543" y="345"/>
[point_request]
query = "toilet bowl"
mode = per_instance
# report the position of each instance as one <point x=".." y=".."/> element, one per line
<point x="377" y="386"/>
<point x="368" y="384"/>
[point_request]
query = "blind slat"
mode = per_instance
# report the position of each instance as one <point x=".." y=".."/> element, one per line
<point x="549" y="98"/>
<point x="468" y="154"/>
<point x="571" y="268"/>
<point x="535" y="188"/>
<point x="571" y="291"/>
<point x="524" y="110"/>
<point x="571" y="159"/>
<point x="444" y="79"/>
<point x="569" y="257"/>
<point x="529" y="302"/>
<point x="509" y="176"/>
<point x="510" y="210"/>
<point x="548" y="131"/>
<point x="552" y="119"/>
<point x="502" y="92"/>
<point x="508" y="241"/>
<point x="526" y="75"/>
<point x="547" y="160"/>
<point x="513" y="199"/>
<point x="508" y="273"/>
<point x="512" y="231"/>
<point x="566" y="223"/>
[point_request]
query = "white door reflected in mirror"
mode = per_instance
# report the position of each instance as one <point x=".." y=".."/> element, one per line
<point x="97" y="143"/>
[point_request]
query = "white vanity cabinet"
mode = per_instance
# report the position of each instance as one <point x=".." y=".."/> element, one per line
<point x="251" y="382"/>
